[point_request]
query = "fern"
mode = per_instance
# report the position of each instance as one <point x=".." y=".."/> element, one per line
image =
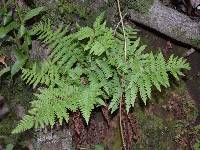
<point x="51" y="103"/>
<point x="47" y="74"/>
<point x="86" y="69"/>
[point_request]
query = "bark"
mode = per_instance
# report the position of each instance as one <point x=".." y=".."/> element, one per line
<point x="169" y="22"/>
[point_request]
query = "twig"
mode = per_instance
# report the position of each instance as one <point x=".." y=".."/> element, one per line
<point x="119" y="24"/>
<point x="121" y="19"/>
<point x="121" y="100"/>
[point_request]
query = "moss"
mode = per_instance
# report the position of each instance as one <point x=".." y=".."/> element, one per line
<point x="141" y="6"/>
<point x="155" y="133"/>
<point x="159" y="129"/>
<point x="15" y="92"/>
<point x="6" y="126"/>
<point x="180" y="51"/>
<point x="117" y="141"/>
<point x="68" y="8"/>
<point x="72" y="12"/>
<point x="195" y="41"/>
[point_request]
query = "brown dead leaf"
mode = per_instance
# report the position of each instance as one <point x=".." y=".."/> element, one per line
<point x="2" y="60"/>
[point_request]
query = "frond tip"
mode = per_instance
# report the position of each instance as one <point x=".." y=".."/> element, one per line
<point x="25" y="124"/>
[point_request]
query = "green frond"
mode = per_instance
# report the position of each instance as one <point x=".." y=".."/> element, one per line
<point x="98" y="22"/>
<point x="40" y="27"/>
<point x="25" y="124"/>
<point x="116" y="90"/>
<point x="89" y="98"/>
<point x="51" y="105"/>
<point x="103" y="65"/>
<point x="85" y="69"/>
<point x="47" y="74"/>
<point x="85" y="32"/>
<point x="175" y="65"/>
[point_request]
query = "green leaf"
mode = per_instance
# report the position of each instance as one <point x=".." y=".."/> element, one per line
<point x="27" y="39"/>
<point x="21" y="60"/>
<point x="4" y="70"/>
<point x="9" y="147"/>
<point x="34" y="12"/>
<point x="22" y="30"/>
<point x="7" y="18"/>
<point x="98" y="147"/>
<point x="4" y="30"/>
<point x="99" y="20"/>
<point x="85" y="32"/>
<point x="97" y="49"/>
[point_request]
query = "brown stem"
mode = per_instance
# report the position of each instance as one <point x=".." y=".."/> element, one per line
<point x="120" y="122"/>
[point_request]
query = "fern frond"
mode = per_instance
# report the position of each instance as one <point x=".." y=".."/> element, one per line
<point x="51" y="104"/>
<point x="41" y="26"/>
<point x="87" y="68"/>
<point x="25" y="124"/>
<point x="89" y="98"/>
<point x="116" y="92"/>
<point x="147" y="70"/>
<point x="175" y="65"/>
<point x="98" y="22"/>
<point x="47" y="74"/>
<point x="85" y="32"/>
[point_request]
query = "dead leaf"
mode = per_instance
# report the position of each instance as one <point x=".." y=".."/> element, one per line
<point x="2" y="60"/>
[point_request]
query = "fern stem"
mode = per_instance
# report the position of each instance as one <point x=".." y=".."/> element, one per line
<point x="124" y="33"/>
<point x="18" y="12"/>
<point x="115" y="30"/>
<point x="125" y="53"/>
<point x="120" y="122"/>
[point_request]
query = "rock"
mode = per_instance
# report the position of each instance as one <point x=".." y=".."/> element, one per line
<point x="4" y="111"/>
<point x="189" y="52"/>
<point x="51" y="140"/>
<point x="1" y="101"/>
<point x="169" y="22"/>
<point x="19" y="111"/>
<point x="39" y="51"/>
<point x="3" y="108"/>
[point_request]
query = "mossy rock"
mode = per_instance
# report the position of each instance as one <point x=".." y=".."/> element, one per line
<point x="141" y="6"/>
<point x="160" y="126"/>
